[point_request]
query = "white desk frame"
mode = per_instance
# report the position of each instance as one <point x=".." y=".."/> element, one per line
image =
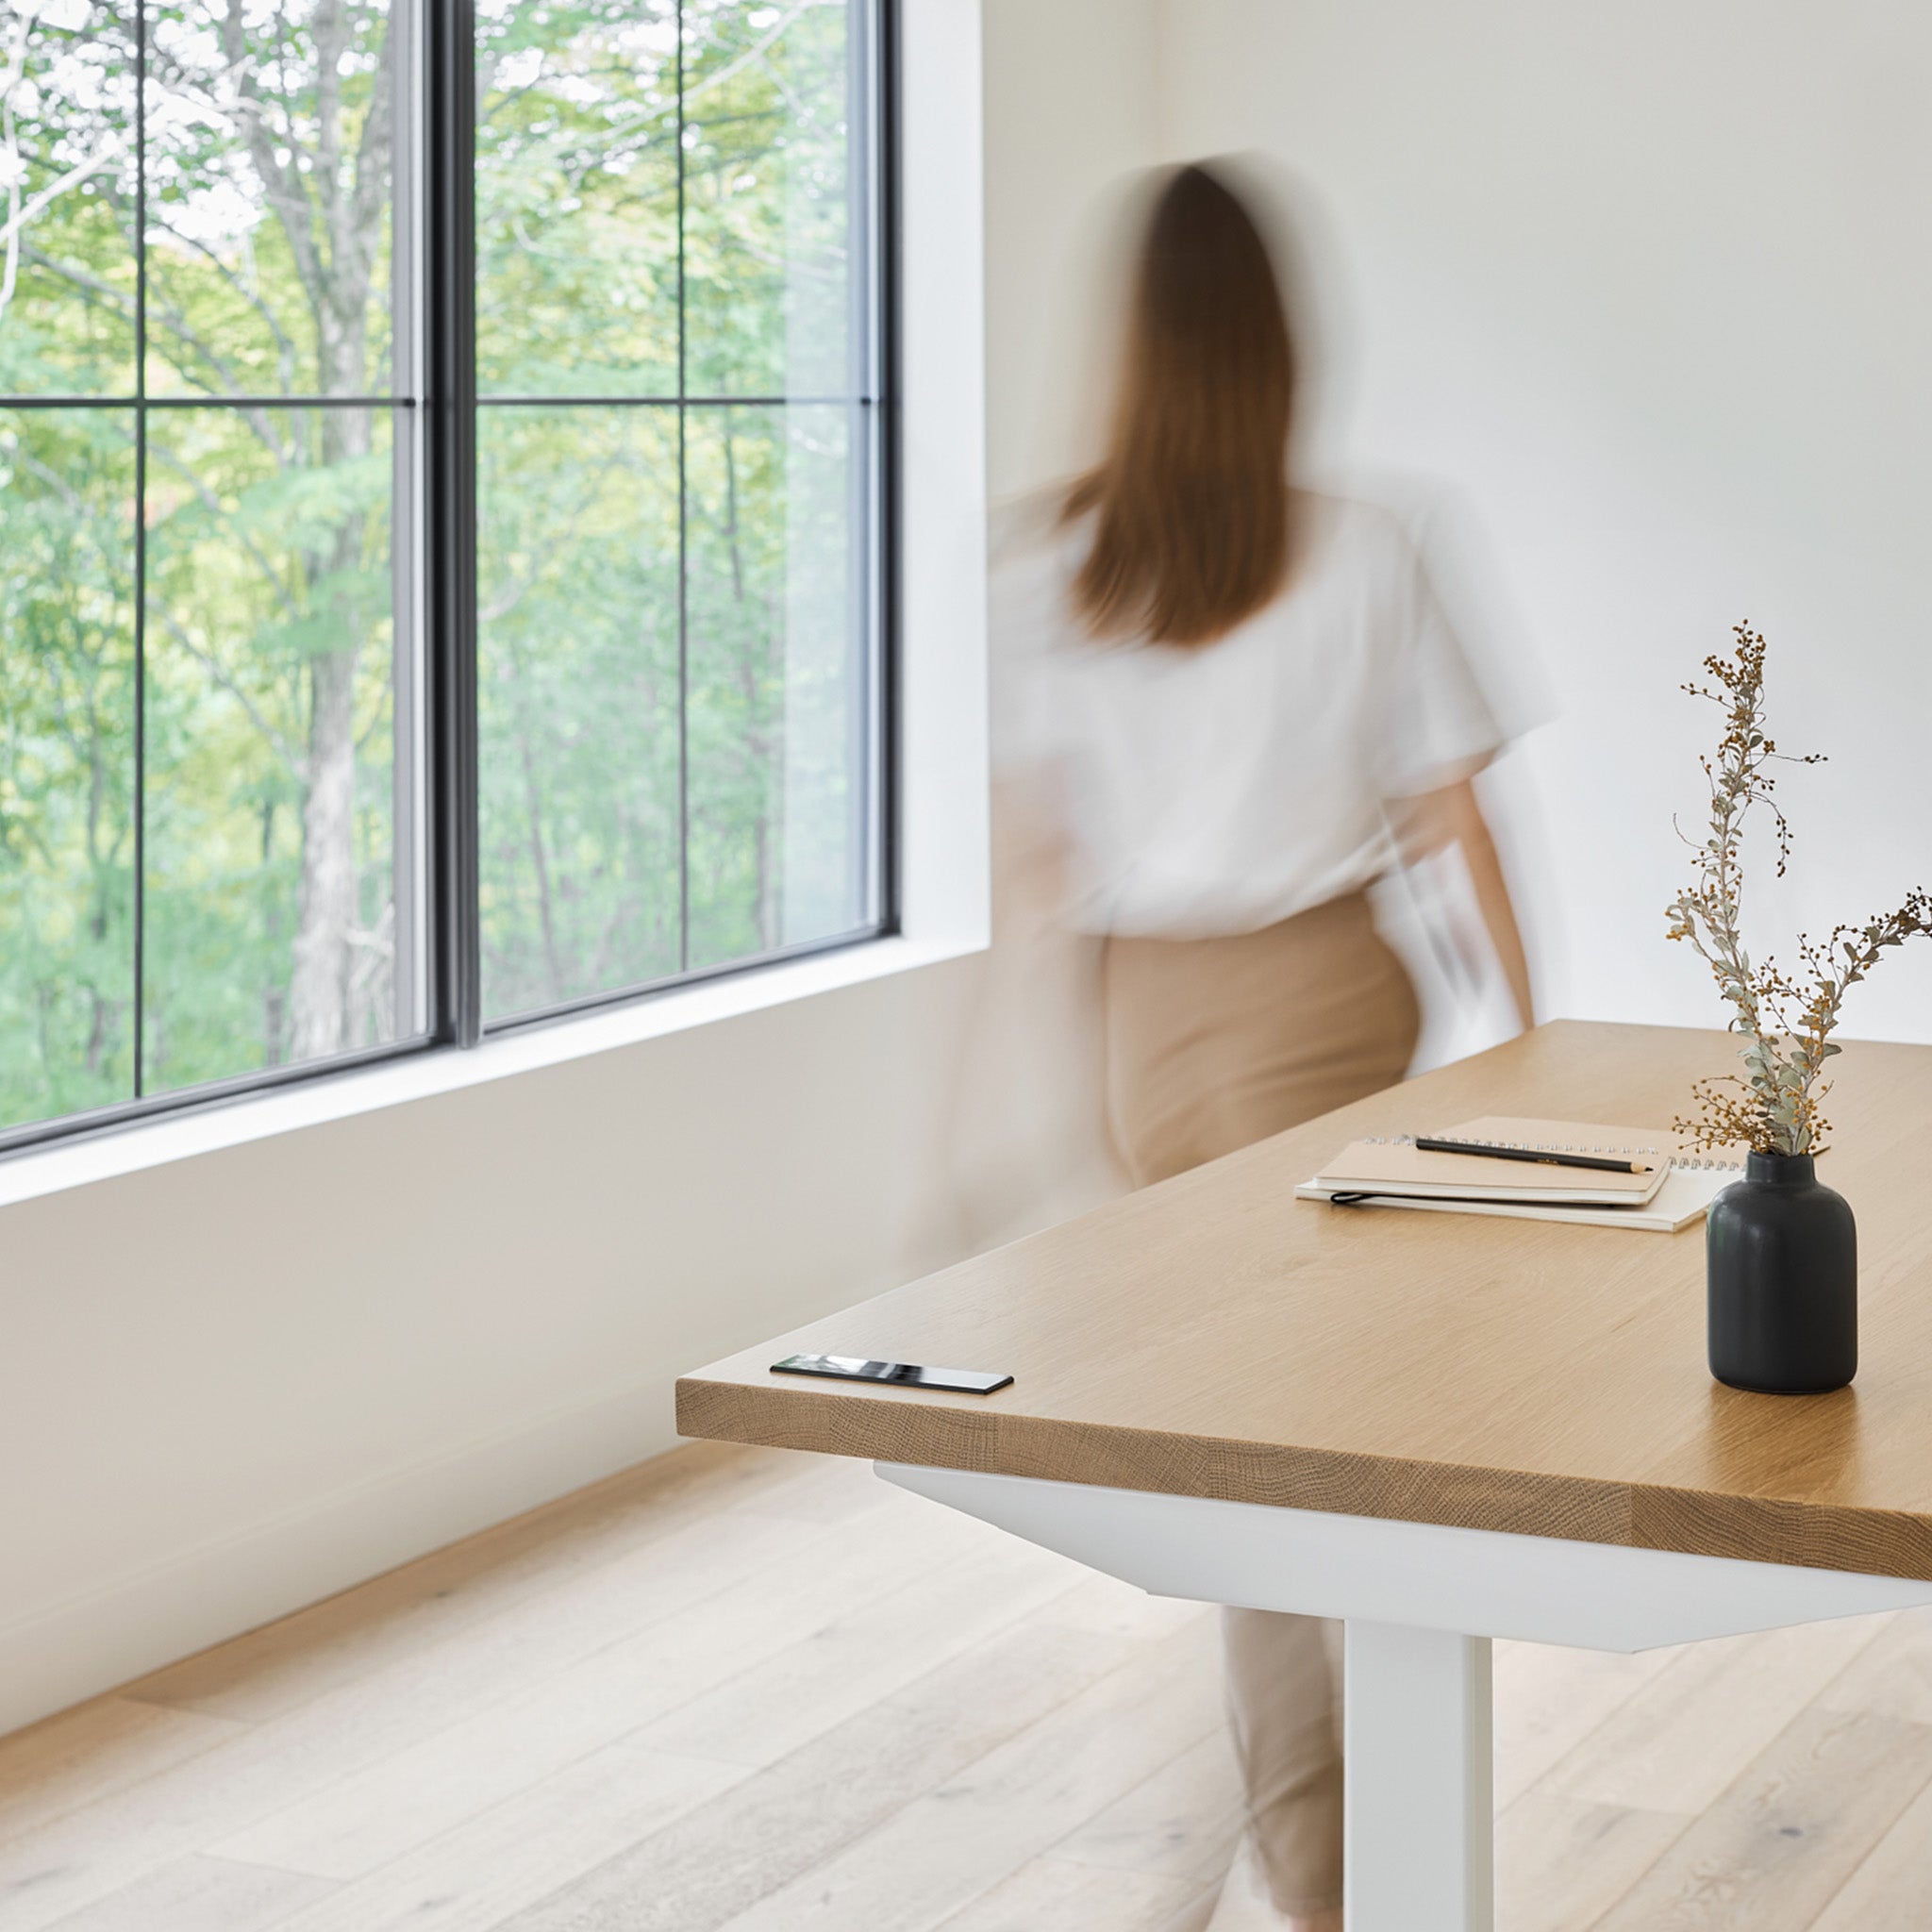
<point x="1422" y="1602"/>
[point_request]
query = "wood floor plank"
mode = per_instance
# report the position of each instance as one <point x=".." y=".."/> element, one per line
<point x="1548" y="1700"/>
<point x="788" y="1699"/>
<point x="787" y="1820"/>
<point x="1193" y="1916"/>
<point x="1893" y="1677"/>
<point x="1890" y="1890"/>
<point x="764" y="1690"/>
<point x="1769" y="1855"/>
<point x="378" y="1811"/>
<point x="100" y="1847"/>
<point x="1679" y="1741"/>
<point x="1562" y="1864"/>
<point x="474" y="1878"/>
<point x="815" y="1489"/>
<point x="269" y="1671"/>
<point x="1181" y="1821"/>
<point x="200" y="1894"/>
<point x="945" y="1850"/>
<point x="1113" y="1609"/>
<point x="83" y="1755"/>
<point x="1047" y="1896"/>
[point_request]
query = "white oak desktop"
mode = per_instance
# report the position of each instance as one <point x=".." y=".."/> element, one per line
<point x="1442" y="1429"/>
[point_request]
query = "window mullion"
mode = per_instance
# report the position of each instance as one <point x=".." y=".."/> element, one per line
<point x="140" y="799"/>
<point x="683" y="548"/>
<point x="450" y="370"/>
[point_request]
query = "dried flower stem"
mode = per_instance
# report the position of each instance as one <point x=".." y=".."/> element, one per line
<point x="1786" y="1027"/>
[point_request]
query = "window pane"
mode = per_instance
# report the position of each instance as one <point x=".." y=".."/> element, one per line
<point x="778" y="679"/>
<point x="67" y="168"/>
<point x="679" y="705"/>
<point x="272" y="137"/>
<point x="66" y="761"/>
<point x="271" y="917"/>
<point x="768" y="224"/>
<point x="578" y="702"/>
<point x="576" y="199"/>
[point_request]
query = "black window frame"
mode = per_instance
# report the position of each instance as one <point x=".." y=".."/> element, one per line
<point x="452" y="969"/>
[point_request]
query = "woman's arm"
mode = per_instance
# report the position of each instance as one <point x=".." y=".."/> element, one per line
<point x="1451" y="816"/>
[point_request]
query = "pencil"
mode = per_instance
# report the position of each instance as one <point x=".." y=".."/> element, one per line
<point x="1542" y="1157"/>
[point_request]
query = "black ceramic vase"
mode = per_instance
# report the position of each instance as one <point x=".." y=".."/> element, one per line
<point x="1781" y="1257"/>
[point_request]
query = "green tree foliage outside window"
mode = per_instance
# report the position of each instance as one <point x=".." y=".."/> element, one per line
<point x="668" y="208"/>
<point x="209" y="572"/>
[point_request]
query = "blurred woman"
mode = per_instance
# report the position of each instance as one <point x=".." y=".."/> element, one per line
<point x="1236" y="704"/>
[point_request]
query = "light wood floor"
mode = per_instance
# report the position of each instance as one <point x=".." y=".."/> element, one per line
<point x="741" y="1689"/>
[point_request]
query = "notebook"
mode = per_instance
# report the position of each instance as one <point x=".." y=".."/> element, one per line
<point x="1671" y="1189"/>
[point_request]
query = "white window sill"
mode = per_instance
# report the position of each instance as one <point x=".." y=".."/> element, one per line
<point x="337" y="1096"/>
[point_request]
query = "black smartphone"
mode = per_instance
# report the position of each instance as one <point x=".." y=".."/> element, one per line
<point x="849" y="1368"/>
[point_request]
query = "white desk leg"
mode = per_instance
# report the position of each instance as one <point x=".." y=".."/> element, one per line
<point x="1419" y="1785"/>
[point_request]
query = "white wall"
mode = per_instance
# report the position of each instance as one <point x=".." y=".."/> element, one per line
<point x="1651" y="283"/>
<point x="1651" y="286"/>
<point x="232" y="1384"/>
<point x="1072" y="107"/>
<point x="235" y="1382"/>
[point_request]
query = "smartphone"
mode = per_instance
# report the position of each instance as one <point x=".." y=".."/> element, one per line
<point x="847" y="1367"/>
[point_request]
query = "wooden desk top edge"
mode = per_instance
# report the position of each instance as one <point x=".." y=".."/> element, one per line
<point x="897" y="1427"/>
<point x="737" y="1399"/>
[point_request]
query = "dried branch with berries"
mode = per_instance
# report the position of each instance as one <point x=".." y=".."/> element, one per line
<point x="1787" y="1024"/>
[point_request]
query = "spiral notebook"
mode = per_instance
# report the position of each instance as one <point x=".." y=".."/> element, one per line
<point x="1669" y="1190"/>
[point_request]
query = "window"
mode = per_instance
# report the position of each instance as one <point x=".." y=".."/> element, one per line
<point x="388" y="655"/>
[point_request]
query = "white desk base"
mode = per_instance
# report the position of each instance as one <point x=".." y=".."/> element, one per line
<point x="1422" y="1602"/>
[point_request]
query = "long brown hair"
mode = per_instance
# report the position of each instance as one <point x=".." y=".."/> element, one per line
<point x="1192" y="531"/>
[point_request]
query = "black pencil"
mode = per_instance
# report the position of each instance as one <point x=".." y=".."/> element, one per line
<point x="1601" y="1162"/>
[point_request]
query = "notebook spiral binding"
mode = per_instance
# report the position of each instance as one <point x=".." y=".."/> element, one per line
<point x="1685" y="1162"/>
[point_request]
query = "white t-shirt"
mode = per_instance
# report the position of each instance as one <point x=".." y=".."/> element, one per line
<point x="1218" y="789"/>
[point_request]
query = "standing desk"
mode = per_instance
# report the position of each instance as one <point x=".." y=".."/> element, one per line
<point x="1441" y="1428"/>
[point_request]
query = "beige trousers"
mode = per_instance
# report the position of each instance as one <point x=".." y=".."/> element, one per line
<point x="1212" y="1044"/>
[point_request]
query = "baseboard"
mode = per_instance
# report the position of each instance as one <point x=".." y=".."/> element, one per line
<point x="233" y="1583"/>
